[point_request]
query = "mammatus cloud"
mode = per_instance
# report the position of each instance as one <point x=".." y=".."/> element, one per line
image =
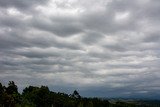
<point x="107" y="49"/>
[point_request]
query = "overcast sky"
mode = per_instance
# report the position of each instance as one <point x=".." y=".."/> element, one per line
<point x="104" y="48"/>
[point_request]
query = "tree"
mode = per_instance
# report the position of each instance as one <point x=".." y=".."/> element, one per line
<point x="33" y="96"/>
<point x="1" y="89"/>
<point x="80" y="104"/>
<point x="90" y="104"/>
<point x="42" y="99"/>
<point x="9" y="96"/>
<point x="1" y="94"/>
<point x="12" y="88"/>
<point x="76" y="94"/>
<point x="38" y="96"/>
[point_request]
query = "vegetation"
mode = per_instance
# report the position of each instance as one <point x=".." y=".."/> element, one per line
<point x="33" y="96"/>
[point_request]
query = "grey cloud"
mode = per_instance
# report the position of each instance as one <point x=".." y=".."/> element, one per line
<point x="80" y="47"/>
<point x="10" y="42"/>
<point x="53" y="42"/>
<point x="104" y="21"/>
<point x="92" y="37"/>
<point x="61" y="29"/>
<point x="11" y="22"/>
<point x="151" y="10"/>
<point x="22" y="4"/>
<point x="116" y="47"/>
<point x="153" y="37"/>
<point x="16" y="39"/>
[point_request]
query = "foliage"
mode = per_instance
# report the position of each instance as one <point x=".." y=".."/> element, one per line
<point x="9" y="96"/>
<point x="33" y="96"/>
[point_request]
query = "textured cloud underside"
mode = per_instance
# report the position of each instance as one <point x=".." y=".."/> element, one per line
<point x="102" y="48"/>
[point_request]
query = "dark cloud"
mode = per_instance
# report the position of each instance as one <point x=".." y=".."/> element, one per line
<point x="60" y="29"/>
<point x="152" y="37"/>
<point x="107" y="49"/>
<point x="92" y="37"/>
<point x="22" y="4"/>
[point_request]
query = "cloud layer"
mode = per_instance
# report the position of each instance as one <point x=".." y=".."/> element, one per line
<point x="106" y="48"/>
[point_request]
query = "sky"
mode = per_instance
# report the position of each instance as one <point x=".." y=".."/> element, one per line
<point x="102" y="48"/>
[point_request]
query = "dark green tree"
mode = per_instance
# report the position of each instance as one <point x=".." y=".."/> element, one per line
<point x="76" y="94"/>
<point x="12" y="88"/>
<point x="1" y="89"/>
<point x="9" y="95"/>
<point x="37" y="96"/>
<point x="1" y="94"/>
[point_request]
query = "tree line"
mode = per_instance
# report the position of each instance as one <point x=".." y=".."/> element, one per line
<point x="33" y="96"/>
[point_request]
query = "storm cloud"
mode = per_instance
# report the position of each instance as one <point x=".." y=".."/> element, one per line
<point x="105" y="48"/>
